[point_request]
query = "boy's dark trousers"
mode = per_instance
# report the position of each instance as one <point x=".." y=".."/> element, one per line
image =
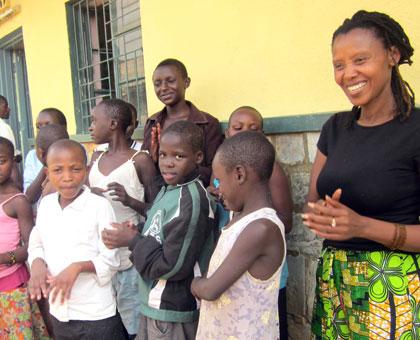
<point x="106" y="329"/>
<point x="151" y="329"/>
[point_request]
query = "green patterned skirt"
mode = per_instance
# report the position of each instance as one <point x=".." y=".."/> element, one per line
<point x="367" y="295"/>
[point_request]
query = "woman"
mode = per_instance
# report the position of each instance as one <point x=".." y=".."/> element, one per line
<point x="364" y="195"/>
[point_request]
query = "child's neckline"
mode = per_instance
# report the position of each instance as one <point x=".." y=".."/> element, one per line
<point x="230" y="225"/>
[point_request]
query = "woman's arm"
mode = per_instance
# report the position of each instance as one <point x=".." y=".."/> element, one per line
<point x="319" y="162"/>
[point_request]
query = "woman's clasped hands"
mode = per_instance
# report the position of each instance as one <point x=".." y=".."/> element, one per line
<point x="333" y="220"/>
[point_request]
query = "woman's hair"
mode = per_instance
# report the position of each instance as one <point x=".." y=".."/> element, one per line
<point x="392" y="35"/>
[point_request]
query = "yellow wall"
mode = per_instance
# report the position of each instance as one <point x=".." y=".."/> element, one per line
<point x="47" y="54"/>
<point x="271" y="54"/>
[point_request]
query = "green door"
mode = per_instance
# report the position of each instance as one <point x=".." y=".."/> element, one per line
<point x="14" y="86"/>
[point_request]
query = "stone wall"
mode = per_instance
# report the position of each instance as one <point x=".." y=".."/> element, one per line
<point x="296" y="152"/>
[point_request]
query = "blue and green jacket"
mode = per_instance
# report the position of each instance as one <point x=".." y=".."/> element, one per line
<point x="176" y="244"/>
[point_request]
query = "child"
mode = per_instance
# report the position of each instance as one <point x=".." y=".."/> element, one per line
<point x="239" y="294"/>
<point x="19" y="318"/>
<point x="68" y="259"/>
<point x="6" y="132"/>
<point x="171" y="80"/>
<point x="136" y="145"/>
<point x="125" y="177"/>
<point x="46" y="136"/>
<point x="33" y="173"/>
<point x="176" y="241"/>
<point x="5" y="129"/>
<point x="247" y="118"/>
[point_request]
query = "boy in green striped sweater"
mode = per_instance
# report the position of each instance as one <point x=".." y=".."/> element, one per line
<point x="177" y="239"/>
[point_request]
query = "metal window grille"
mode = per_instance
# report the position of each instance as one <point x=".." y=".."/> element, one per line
<point x="107" y="55"/>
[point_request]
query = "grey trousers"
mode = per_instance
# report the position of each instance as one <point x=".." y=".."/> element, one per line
<point x="151" y="329"/>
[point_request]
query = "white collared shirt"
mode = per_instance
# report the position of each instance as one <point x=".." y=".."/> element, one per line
<point x="6" y="132"/>
<point x="63" y="236"/>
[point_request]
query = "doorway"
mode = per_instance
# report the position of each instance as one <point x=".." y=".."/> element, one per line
<point x="14" y="86"/>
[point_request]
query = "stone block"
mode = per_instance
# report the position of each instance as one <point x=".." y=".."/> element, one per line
<point x="299" y="185"/>
<point x="311" y="266"/>
<point x="298" y="328"/>
<point x="290" y="148"/>
<point x="312" y="140"/>
<point x="296" y="299"/>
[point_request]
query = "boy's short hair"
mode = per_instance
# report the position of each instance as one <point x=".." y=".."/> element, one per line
<point x="250" y="149"/>
<point x="61" y="118"/>
<point x="250" y="108"/>
<point x="8" y="145"/>
<point x="67" y="144"/>
<point x="189" y="132"/>
<point x="175" y="63"/>
<point x="49" y="134"/>
<point x="3" y="100"/>
<point x="119" y="110"/>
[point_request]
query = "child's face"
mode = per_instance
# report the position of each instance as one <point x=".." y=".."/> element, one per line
<point x="66" y="171"/>
<point x="6" y="164"/>
<point x="228" y="189"/>
<point x="45" y="118"/>
<point x="176" y="158"/>
<point x="169" y="85"/>
<point x="4" y="110"/>
<point x="243" y="120"/>
<point x="99" y="128"/>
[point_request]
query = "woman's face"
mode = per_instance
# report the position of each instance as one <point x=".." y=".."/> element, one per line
<point x="362" y="67"/>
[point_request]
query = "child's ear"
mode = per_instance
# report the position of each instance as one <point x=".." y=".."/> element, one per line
<point x="187" y="82"/>
<point x="240" y="174"/>
<point x="199" y="156"/>
<point x="113" y="124"/>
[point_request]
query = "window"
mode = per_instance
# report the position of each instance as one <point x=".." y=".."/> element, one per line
<point x="107" y="55"/>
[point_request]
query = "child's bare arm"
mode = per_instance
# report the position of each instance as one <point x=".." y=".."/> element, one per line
<point x="34" y="190"/>
<point x="146" y="171"/>
<point x="19" y="208"/>
<point x="281" y="197"/>
<point x="257" y="250"/>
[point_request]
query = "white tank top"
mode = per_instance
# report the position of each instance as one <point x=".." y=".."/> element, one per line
<point x="248" y="309"/>
<point x="126" y="175"/>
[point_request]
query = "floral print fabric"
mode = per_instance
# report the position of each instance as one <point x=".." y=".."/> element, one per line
<point x="20" y="318"/>
<point x="367" y="295"/>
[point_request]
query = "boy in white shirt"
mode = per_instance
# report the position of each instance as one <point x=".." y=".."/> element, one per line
<point x="68" y="259"/>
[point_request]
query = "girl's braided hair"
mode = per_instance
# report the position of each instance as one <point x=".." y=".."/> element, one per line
<point x="392" y="35"/>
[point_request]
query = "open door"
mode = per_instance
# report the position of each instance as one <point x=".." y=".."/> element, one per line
<point x="14" y="86"/>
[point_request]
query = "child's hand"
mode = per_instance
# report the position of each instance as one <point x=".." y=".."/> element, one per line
<point x="119" y="193"/>
<point x="121" y="236"/>
<point x="195" y="282"/>
<point x="37" y="285"/>
<point x="63" y="282"/>
<point x="97" y="191"/>
<point x="154" y="145"/>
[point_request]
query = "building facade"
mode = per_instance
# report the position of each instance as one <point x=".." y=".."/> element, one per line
<point x="273" y="55"/>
